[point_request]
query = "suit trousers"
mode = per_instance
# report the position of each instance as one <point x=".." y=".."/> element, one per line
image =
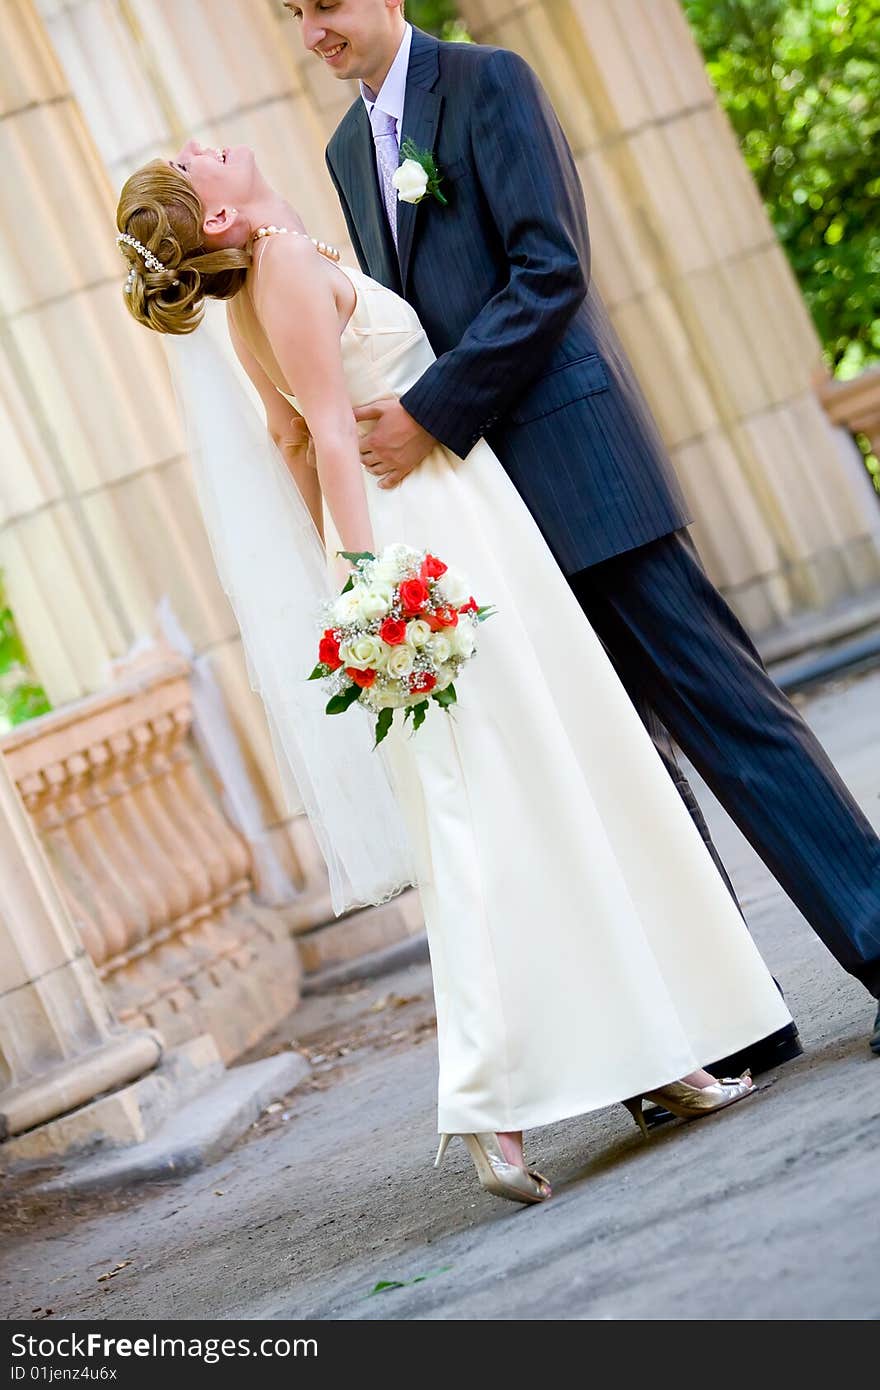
<point x="693" y="673"/>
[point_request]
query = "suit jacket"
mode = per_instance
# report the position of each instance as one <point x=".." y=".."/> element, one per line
<point x="500" y="278"/>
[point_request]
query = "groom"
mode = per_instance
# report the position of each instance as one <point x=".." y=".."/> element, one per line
<point x="526" y="357"/>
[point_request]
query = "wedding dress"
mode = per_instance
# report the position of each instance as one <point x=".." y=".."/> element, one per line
<point x="583" y="946"/>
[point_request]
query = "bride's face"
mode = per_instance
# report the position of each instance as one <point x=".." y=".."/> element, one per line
<point x="222" y="178"/>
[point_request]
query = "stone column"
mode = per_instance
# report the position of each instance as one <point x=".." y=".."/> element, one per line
<point x="147" y="74"/>
<point x="703" y="298"/>
<point x="98" y="516"/>
<point x="59" y="1046"/>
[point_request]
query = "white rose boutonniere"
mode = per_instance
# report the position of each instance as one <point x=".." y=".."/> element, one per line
<point x="411" y="182"/>
<point x="418" y="175"/>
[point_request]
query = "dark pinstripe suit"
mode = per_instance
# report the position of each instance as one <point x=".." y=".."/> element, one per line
<point x="526" y="357"/>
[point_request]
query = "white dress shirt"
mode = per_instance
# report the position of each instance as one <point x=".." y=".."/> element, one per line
<point x="392" y="94"/>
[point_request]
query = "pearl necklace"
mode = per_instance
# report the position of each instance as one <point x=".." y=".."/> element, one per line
<point x="324" y="247"/>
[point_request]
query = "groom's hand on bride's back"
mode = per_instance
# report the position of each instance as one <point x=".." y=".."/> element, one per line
<point x="396" y="444"/>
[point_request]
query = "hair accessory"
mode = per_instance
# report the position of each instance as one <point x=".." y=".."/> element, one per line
<point x="150" y="261"/>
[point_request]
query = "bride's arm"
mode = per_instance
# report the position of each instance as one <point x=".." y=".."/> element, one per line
<point x="286" y="427"/>
<point x="296" y="304"/>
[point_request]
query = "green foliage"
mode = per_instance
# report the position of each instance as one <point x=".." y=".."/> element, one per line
<point x="338" y="704"/>
<point x="439" y="17"/>
<point x="446" y="698"/>
<point x="21" y="697"/>
<point x="418" y="714"/>
<point x="385" y="1284"/>
<point x="800" y="81"/>
<point x="355" y="556"/>
<point x="383" y="724"/>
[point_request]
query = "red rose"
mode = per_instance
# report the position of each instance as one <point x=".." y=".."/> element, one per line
<point x="470" y="607"/>
<point x="362" y="678"/>
<point x="432" y="568"/>
<point x="422" y="683"/>
<point x="444" y="617"/>
<point x="393" y="631"/>
<point x="328" y="650"/>
<point x="413" y="596"/>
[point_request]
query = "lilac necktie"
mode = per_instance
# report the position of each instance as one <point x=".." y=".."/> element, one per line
<point x="388" y="158"/>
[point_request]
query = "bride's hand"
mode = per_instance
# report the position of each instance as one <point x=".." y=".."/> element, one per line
<point x="396" y="444"/>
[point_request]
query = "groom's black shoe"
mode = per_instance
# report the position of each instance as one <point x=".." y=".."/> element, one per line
<point x="781" y="1046"/>
<point x="772" y="1051"/>
<point x="874" y="1044"/>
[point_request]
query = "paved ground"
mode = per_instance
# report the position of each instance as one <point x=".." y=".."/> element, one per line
<point x="767" y="1211"/>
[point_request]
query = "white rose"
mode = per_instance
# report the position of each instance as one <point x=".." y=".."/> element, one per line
<point x="464" y="640"/>
<point x="417" y="632"/>
<point x="388" y="566"/>
<point x="396" y="553"/>
<point x="400" y="700"/>
<point x="375" y="602"/>
<point x="445" y="676"/>
<point x="385" y="699"/>
<point x="411" y="181"/>
<point x="385" y="572"/>
<point x="366" y="653"/>
<point x="400" y="662"/>
<point x="453" y="588"/>
<point x="440" y="648"/>
<point x="345" y="609"/>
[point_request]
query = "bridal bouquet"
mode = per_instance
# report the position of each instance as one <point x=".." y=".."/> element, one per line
<point x="397" y="636"/>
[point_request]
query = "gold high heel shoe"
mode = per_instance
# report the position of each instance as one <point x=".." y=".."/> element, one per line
<point x="496" y="1175"/>
<point x="690" y="1102"/>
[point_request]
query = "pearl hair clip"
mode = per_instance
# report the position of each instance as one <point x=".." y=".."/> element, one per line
<point x="150" y="261"/>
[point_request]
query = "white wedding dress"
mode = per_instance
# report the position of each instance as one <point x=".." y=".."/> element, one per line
<point x="583" y="946"/>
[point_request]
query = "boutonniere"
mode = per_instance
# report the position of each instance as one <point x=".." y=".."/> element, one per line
<point x="417" y="176"/>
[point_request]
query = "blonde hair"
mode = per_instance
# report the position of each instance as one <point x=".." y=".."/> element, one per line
<point x="160" y="208"/>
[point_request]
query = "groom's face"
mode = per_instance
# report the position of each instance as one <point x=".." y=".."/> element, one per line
<point x="353" y="38"/>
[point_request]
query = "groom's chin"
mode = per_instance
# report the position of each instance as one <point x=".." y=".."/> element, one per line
<point x="343" y="65"/>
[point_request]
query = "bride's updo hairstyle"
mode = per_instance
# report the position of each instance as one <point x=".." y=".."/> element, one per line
<point x="167" y="287"/>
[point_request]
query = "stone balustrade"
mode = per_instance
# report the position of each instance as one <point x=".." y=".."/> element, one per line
<point x="158" y="882"/>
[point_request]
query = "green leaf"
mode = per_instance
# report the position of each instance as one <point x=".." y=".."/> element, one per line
<point x="385" y="1284"/>
<point x="446" y="697"/>
<point x="487" y="611"/>
<point x="418" y="715"/>
<point x="426" y="159"/>
<point x="320" y="671"/>
<point x="383" y="724"/>
<point x="349" y="584"/>
<point x="355" y="555"/>
<point x="340" y="703"/>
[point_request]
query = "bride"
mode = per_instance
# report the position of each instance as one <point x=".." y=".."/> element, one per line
<point x="583" y="948"/>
